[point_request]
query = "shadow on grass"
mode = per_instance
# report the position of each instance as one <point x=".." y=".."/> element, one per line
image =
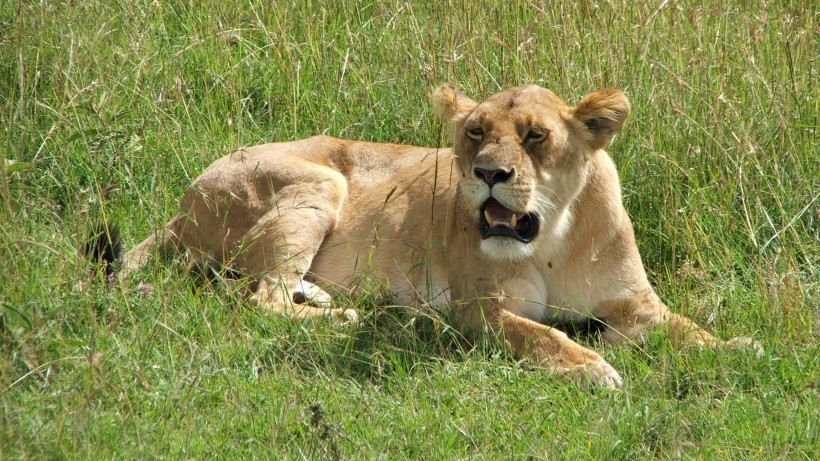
<point x="390" y="342"/>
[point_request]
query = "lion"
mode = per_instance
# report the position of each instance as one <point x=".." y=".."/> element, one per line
<point x="519" y="226"/>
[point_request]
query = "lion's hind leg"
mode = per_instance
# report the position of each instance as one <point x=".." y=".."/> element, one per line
<point x="310" y="294"/>
<point x="164" y="242"/>
<point x="279" y="249"/>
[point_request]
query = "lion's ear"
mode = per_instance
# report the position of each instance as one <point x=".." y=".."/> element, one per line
<point x="450" y="104"/>
<point x="603" y="114"/>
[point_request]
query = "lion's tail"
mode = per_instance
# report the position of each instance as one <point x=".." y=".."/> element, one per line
<point x="103" y="248"/>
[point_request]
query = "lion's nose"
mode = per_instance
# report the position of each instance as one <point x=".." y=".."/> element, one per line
<point x="492" y="177"/>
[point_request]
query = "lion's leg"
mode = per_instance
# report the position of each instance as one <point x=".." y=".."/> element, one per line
<point x="163" y="241"/>
<point x="631" y="319"/>
<point x="280" y="247"/>
<point x="540" y="345"/>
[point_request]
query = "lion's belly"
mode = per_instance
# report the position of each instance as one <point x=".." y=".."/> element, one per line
<point x="389" y="238"/>
<point x="409" y="276"/>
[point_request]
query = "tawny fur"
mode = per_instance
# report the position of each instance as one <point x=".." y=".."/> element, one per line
<point x="304" y="219"/>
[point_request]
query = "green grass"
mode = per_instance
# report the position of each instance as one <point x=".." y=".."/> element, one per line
<point x="110" y="109"/>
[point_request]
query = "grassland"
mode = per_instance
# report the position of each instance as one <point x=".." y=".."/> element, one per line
<point x="109" y="109"/>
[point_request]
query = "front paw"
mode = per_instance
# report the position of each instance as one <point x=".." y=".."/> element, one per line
<point x="598" y="374"/>
<point x="746" y="343"/>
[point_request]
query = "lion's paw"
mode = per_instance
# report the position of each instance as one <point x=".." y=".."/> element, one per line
<point x="308" y="293"/>
<point x="344" y="316"/>
<point x="746" y="343"/>
<point x="599" y="374"/>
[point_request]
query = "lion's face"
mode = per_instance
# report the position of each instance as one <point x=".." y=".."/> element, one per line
<point x="522" y="156"/>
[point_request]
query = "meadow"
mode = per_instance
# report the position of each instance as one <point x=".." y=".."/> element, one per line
<point x="108" y="110"/>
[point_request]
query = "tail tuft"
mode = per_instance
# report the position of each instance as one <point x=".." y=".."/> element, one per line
<point x="103" y="247"/>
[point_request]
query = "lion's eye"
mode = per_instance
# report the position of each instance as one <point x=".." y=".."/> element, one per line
<point x="536" y="136"/>
<point x="476" y="133"/>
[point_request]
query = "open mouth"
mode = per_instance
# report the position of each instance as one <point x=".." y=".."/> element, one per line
<point x="499" y="221"/>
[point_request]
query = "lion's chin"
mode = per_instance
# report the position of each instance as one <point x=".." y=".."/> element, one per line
<point x="506" y="249"/>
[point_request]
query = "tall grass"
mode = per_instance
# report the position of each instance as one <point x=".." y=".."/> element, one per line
<point x="109" y="109"/>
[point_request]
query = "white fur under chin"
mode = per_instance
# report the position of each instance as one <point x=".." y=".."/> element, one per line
<point x="506" y="248"/>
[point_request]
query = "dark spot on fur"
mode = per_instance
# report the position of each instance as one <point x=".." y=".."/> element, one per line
<point x="299" y="298"/>
<point x="549" y="264"/>
<point x="340" y="161"/>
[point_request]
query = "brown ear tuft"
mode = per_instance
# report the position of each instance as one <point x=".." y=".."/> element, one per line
<point x="603" y="114"/>
<point x="451" y="104"/>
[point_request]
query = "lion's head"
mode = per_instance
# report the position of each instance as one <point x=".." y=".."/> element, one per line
<point x="522" y="156"/>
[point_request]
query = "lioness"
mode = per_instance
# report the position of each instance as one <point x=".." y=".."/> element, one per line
<point x="519" y="225"/>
